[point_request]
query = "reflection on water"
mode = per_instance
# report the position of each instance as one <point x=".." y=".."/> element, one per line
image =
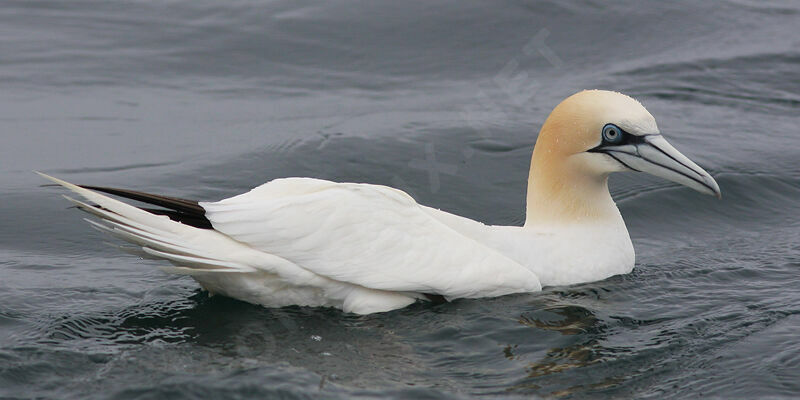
<point x="585" y="333"/>
<point x="567" y="320"/>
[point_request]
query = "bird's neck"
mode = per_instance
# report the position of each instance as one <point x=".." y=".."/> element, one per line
<point x="561" y="192"/>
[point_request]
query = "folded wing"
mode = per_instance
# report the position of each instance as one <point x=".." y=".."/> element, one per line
<point x="369" y="235"/>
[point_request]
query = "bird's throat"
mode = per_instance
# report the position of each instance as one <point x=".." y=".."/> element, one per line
<point x="562" y="194"/>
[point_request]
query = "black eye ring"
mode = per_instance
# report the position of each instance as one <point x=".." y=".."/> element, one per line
<point x="612" y="134"/>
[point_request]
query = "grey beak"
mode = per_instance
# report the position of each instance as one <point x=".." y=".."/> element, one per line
<point x="654" y="155"/>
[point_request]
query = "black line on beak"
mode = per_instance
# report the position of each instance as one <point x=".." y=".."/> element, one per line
<point x="673" y="159"/>
<point x="662" y="166"/>
<point x="620" y="161"/>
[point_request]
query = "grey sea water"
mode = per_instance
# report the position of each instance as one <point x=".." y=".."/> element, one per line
<point x="206" y="99"/>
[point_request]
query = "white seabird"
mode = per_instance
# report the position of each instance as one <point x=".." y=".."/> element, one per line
<point x="369" y="248"/>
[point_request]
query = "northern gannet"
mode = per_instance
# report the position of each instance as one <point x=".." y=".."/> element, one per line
<point x="368" y="248"/>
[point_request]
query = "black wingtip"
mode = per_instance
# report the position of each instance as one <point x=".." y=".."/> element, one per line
<point x="185" y="211"/>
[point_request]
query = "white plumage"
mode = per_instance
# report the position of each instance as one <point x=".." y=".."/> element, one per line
<point x="368" y="248"/>
<point x="368" y="235"/>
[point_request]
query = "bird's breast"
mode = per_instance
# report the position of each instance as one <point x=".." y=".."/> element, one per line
<point x="568" y="255"/>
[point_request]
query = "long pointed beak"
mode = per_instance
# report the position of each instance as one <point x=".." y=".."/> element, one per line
<point x="654" y="155"/>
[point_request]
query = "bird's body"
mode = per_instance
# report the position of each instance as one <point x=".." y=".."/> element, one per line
<point x="369" y="248"/>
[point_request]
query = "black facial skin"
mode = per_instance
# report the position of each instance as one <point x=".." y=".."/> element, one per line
<point x="626" y="139"/>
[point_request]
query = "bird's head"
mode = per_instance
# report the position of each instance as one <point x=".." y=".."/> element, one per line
<point x="596" y="132"/>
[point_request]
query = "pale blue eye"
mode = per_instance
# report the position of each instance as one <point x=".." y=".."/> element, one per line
<point x="612" y="134"/>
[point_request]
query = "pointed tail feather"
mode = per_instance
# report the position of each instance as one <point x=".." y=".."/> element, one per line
<point x="159" y="237"/>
